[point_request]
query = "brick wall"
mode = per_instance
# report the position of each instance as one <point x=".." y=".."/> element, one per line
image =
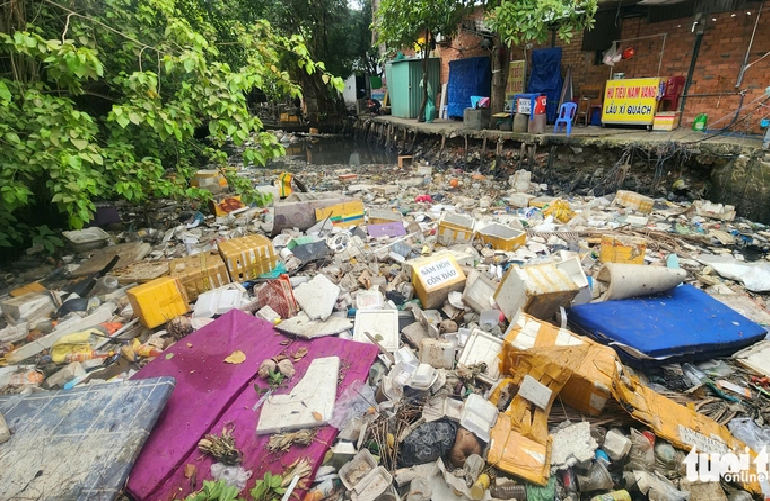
<point x="725" y="40"/>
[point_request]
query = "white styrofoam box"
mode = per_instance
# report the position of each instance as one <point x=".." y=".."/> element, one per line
<point x="217" y="302"/>
<point x="369" y="300"/>
<point x="381" y="324"/>
<point x="423" y="377"/>
<point x="483" y="347"/>
<point x="478" y="416"/>
<point x="372" y="485"/>
<point x="616" y="445"/>
<point x="439" y="353"/>
<point x="406" y="356"/>
<point x="535" y="391"/>
<point x="575" y="271"/>
<point x="355" y="471"/>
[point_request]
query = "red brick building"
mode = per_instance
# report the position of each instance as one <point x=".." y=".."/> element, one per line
<point x="726" y="37"/>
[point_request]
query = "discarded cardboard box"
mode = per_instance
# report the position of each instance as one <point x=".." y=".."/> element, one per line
<point x="539" y="290"/>
<point x="635" y="201"/>
<point x="455" y="228"/>
<point x="682" y="426"/>
<point x="200" y="273"/>
<point x="434" y="278"/>
<point x="343" y="215"/>
<point x="502" y="237"/>
<point x="158" y="301"/>
<point x="248" y="257"/>
<point x="225" y="206"/>
<point x="623" y="250"/>
<point x="590" y="385"/>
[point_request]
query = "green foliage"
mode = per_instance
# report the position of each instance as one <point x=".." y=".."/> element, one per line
<point x="47" y="239"/>
<point x="524" y="20"/>
<point x="269" y="488"/>
<point x="400" y="23"/>
<point x="103" y="103"/>
<point x="215" y="491"/>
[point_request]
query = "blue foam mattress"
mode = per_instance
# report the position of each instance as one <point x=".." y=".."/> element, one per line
<point x="684" y="322"/>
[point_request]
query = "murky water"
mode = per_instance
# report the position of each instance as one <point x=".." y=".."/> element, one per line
<point x="334" y="151"/>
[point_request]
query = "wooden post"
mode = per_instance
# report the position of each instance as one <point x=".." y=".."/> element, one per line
<point x="484" y="146"/>
<point x="443" y="142"/>
<point x="532" y="153"/>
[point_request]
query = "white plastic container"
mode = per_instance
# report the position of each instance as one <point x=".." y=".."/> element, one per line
<point x="216" y="302"/>
<point x="87" y="238"/>
<point x="380" y="324"/>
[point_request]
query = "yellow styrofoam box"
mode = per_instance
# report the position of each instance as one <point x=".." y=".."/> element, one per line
<point x="379" y="216"/>
<point x="199" y="273"/>
<point x="455" y="228"/>
<point x="590" y="385"/>
<point x="538" y="289"/>
<point x="502" y="237"/>
<point x="634" y="201"/>
<point x="434" y="278"/>
<point x="344" y="215"/>
<point x="248" y="257"/>
<point x="623" y="250"/>
<point x="158" y="301"/>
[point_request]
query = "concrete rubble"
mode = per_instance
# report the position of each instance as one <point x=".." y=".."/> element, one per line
<point x="464" y="283"/>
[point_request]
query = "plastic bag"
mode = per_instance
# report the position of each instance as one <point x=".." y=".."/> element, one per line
<point x="598" y="479"/>
<point x="427" y="443"/>
<point x="658" y="488"/>
<point x="642" y="455"/>
<point x="234" y="476"/>
<point x="353" y="402"/>
<point x="747" y="431"/>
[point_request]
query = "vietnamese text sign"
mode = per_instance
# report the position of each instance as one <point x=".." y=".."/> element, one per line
<point x="436" y="273"/>
<point x="517" y="73"/>
<point x="631" y="101"/>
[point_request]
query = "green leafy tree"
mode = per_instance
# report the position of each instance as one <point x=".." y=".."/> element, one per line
<point x="524" y="20"/>
<point x="101" y="100"/>
<point x="401" y="23"/>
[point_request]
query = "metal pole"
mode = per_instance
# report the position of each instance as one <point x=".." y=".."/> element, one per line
<point x="745" y="65"/>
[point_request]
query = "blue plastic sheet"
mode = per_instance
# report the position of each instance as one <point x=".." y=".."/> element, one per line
<point x="546" y="78"/>
<point x="683" y="322"/>
<point x="467" y="77"/>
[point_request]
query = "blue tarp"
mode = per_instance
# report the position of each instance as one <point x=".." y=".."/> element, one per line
<point x="467" y="77"/>
<point x="546" y="78"/>
<point x="682" y="322"/>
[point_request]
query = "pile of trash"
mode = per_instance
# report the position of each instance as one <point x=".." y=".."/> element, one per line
<point x="492" y="342"/>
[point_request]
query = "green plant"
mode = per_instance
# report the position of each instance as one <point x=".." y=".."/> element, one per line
<point x="103" y="102"/>
<point x="215" y="491"/>
<point x="47" y="239"/>
<point x="275" y="379"/>
<point x="269" y="488"/>
<point x="524" y="20"/>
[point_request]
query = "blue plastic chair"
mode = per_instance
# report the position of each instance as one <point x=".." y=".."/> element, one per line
<point x="566" y="114"/>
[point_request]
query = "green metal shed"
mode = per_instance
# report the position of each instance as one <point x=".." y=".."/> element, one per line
<point x="404" y="77"/>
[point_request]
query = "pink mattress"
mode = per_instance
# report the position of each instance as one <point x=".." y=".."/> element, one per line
<point x="210" y="394"/>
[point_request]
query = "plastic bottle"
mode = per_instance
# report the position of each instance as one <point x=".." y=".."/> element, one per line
<point x="83" y="356"/>
<point x="480" y="487"/>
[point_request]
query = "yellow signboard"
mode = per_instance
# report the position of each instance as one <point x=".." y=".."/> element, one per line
<point x="631" y="101"/>
<point x="517" y="73"/>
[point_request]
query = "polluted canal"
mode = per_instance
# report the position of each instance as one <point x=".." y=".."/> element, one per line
<point x="385" y="327"/>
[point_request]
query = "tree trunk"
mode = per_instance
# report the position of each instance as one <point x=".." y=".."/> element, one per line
<point x="425" y="54"/>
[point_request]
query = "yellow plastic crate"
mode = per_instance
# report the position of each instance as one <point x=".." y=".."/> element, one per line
<point x="502" y="237"/>
<point x="199" y="273"/>
<point x="623" y="250"/>
<point x="158" y="301"/>
<point x="248" y="257"/>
